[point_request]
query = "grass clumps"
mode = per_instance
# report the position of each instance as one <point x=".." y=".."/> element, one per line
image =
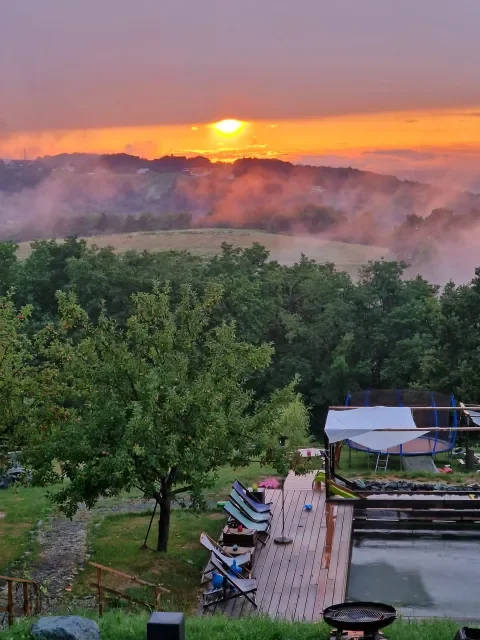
<point x="116" y="625"/>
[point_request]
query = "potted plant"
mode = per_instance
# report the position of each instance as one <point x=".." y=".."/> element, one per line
<point x="318" y="480"/>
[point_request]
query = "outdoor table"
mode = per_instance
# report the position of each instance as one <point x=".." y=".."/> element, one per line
<point x="239" y="551"/>
<point x="245" y="538"/>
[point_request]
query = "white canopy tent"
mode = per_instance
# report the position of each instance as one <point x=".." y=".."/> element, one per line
<point x="361" y="426"/>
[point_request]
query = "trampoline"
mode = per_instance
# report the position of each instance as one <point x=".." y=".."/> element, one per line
<point x="434" y="442"/>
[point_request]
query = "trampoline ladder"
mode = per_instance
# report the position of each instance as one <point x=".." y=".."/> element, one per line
<point x="382" y="462"/>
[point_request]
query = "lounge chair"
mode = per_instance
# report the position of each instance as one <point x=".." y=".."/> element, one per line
<point x="262" y="528"/>
<point x="233" y="587"/>
<point x="252" y="502"/>
<point x="225" y="558"/>
<point x="247" y="510"/>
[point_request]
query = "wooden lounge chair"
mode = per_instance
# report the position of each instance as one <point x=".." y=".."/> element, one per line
<point x="222" y="556"/>
<point x="251" y="501"/>
<point x="233" y="587"/>
<point x="262" y="528"/>
<point x="247" y="510"/>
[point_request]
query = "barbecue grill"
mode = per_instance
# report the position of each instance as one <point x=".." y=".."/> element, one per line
<point x="368" y="617"/>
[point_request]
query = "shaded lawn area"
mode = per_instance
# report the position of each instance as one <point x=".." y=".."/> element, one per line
<point x="116" y="543"/>
<point x="23" y="508"/>
<point x="116" y="625"/>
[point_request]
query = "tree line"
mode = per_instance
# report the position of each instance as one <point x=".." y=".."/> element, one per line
<point x="150" y="370"/>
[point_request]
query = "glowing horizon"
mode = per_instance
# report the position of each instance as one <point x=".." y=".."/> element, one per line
<point x="457" y="131"/>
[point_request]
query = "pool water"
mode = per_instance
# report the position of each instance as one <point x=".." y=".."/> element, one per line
<point x="420" y="574"/>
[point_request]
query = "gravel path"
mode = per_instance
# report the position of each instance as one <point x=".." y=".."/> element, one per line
<point x="63" y="553"/>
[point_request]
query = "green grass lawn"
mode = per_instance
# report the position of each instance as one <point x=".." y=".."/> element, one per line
<point x="357" y="464"/>
<point x="116" y="543"/>
<point x="116" y="625"/>
<point x="227" y="475"/>
<point x="23" y="508"/>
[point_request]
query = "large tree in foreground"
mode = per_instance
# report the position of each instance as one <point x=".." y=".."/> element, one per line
<point x="160" y="405"/>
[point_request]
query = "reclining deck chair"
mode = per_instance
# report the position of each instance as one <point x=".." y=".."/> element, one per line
<point x="262" y="528"/>
<point x="239" y="502"/>
<point x="252" y="502"/>
<point x="222" y="556"/>
<point x="233" y="587"/>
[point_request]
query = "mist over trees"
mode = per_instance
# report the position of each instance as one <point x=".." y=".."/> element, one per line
<point x="88" y="195"/>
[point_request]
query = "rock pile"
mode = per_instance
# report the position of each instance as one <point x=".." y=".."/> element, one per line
<point x="413" y="485"/>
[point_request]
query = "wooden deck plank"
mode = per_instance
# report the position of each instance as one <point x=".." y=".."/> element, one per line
<point x="309" y="570"/>
<point x="314" y="585"/>
<point x="274" y="585"/>
<point x="265" y="564"/>
<point x="275" y="497"/>
<point x="331" y="512"/>
<point x="279" y="603"/>
<point x="298" y="563"/>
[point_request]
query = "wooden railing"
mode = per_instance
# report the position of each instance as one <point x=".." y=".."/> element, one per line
<point x="27" y="609"/>
<point x="101" y="588"/>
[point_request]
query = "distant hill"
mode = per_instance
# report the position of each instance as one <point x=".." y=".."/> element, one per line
<point x="87" y="194"/>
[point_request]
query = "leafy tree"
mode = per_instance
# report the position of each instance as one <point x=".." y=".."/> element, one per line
<point x="453" y="364"/>
<point x="396" y="326"/>
<point x="27" y="384"/>
<point x="159" y="405"/>
<point x="8" y="266"/>
<point x="312" y="321"/>
<point x="45" y="272"/>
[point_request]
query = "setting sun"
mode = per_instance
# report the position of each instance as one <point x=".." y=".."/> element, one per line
<point x="228" y="127"/>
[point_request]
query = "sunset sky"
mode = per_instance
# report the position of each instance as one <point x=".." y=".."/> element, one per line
<point x="383" y="85"/>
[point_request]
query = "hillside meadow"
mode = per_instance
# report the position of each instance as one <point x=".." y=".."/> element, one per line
<point x="207" y="242"/>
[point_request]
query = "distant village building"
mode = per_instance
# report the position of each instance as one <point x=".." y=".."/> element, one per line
<point x="317" y="189"/>
<point x="143" y="171"/>
<point x="199" y="173"/>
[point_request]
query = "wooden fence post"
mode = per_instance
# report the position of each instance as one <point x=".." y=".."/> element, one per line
<point x="26" y="599"/>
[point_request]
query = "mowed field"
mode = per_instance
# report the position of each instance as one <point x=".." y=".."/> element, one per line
<point x="284" y="248"/>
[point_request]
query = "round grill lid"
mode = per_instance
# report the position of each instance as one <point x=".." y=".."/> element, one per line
<point x="359" y="616"/>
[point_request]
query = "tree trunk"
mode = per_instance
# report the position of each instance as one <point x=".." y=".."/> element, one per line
<point x="164" y="523"/>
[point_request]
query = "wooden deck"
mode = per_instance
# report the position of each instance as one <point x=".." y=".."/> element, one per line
<point x="298" y="581"/>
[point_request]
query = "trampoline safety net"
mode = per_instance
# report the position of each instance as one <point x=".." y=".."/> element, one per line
<point x="433" y="442"/>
